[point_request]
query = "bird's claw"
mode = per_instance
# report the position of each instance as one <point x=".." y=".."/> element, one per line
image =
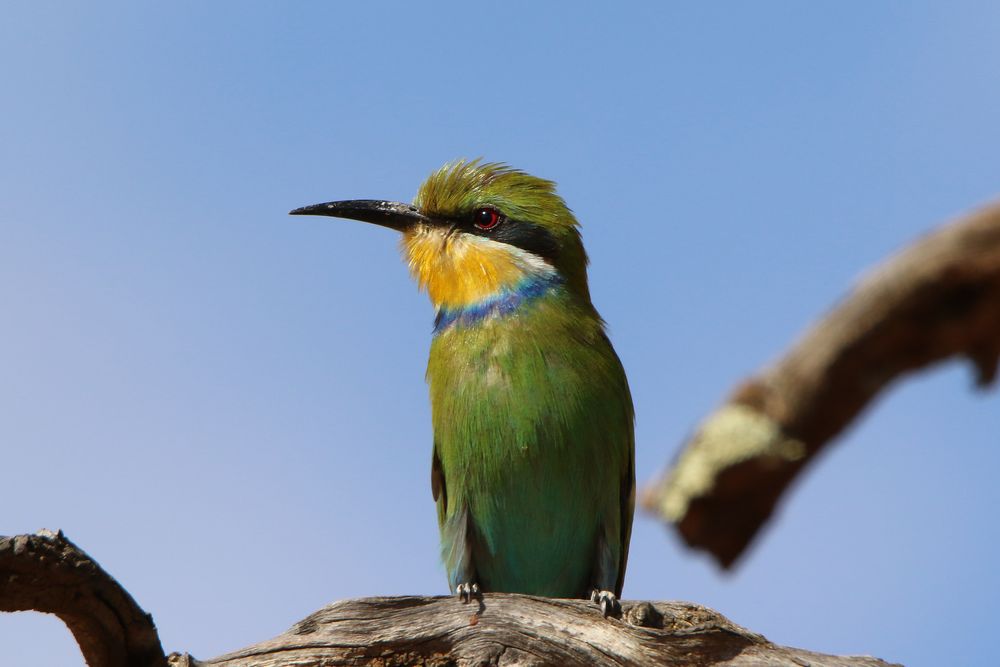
<point x="607" y="601"/>
<point x="466" y="592"/>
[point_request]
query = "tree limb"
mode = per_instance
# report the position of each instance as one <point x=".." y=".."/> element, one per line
<point x="46" y="572"/>
<point x="517" y="630"/>
<point x="937" y="299"/>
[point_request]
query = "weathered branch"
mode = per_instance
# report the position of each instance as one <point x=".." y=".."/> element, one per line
<point x="517" y="630"/>
<point x="46" y="572"/>
<point x="937" y="299"/>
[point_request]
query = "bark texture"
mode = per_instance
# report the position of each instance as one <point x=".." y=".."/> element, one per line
<point x="46" y="572"/>
<point x="517" y="630"/>
<point x="939" y="298"/>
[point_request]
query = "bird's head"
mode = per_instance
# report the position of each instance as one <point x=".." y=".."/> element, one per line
<point x="476" y="230"/>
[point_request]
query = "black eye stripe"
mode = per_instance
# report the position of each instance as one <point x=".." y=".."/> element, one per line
<point x="525" y="235"/>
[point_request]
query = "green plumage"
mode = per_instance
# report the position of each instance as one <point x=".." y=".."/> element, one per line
<point x="533" y="440"/>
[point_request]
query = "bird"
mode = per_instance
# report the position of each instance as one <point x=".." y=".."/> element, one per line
<point x="533" y="460"/>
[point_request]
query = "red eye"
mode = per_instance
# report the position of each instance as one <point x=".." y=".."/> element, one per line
<point x="486" y="218"/>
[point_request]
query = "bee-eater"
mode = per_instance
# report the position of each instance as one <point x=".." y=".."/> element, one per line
<point x="533" y="464"/>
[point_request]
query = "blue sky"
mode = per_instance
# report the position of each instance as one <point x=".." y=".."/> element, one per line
<point x="225" y="406"/>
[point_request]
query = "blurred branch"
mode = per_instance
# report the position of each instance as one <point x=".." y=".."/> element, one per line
<point x="46" y="572"/>
<point x="937" y="299"/>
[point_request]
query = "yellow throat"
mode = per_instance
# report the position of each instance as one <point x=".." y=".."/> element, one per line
<point x="460" y="270"/>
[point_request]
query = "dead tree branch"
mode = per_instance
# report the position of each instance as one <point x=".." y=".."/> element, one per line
<point x="937" y="299"/>
<point x="517" y="630"/>
<point x="46" y="572"/>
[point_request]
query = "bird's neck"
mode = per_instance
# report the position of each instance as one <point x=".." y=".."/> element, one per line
<point x="503" y="303"/>
<point x="471" y="279"/>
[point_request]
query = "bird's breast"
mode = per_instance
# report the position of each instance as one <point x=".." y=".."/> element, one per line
<point x="514" y="383"/>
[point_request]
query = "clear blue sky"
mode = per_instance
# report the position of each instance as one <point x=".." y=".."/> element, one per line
<point x="225" y="406"/>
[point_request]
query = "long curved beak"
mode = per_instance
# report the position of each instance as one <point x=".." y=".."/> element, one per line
<point x="391" y="214"/>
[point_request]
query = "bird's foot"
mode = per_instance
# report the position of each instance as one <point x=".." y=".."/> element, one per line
<point x="467" y="591"/>
<point x="607" y="601"/>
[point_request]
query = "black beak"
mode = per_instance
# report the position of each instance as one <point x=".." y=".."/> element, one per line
<point x="385" y="213"/>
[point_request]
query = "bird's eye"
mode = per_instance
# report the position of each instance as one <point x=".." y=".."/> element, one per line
<point x="486" y="218"/>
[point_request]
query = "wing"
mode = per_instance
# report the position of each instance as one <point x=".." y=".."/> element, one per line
<point x="438" y="489"/>
<point x="626" y="494"/>
<point x="457" y="532"/>
<point x="627" y="508"/>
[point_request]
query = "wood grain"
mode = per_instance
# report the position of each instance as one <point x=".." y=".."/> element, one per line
<point x="517" y="630"/>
